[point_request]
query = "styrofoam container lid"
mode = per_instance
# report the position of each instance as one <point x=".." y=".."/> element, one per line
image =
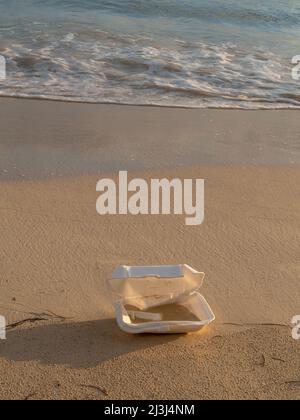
<point x="150" y="286"/>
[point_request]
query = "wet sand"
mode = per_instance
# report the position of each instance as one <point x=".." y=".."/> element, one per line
<point x="52" y="139"/>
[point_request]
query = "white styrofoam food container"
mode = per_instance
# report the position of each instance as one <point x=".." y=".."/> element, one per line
<point x="149" y="287"/>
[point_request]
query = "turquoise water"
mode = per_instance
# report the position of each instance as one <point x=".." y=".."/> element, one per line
<point x="195" y="53"/>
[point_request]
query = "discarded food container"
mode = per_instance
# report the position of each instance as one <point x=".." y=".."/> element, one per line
<point x="159" y="299"/>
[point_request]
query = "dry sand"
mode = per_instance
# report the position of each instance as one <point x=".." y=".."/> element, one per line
<point x="56" y="254"/>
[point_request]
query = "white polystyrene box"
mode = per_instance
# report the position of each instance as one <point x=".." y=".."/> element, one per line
<point x="153" y="286"/>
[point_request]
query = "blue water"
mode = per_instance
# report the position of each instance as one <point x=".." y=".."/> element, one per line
<point x="195" y="53"/>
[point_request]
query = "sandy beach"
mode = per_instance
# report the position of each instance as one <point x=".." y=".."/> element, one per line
<point x="57" y="253"/>
<point x="73" y="138"/>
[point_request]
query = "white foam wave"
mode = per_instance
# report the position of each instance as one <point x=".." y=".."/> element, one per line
<point x="95" y="66"/>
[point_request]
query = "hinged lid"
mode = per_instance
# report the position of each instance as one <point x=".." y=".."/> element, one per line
<point x="146" y="287"/>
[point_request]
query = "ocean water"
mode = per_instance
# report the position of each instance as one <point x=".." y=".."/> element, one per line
<point x="193" y="53"/>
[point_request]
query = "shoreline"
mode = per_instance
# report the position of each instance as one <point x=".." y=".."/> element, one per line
<point x="168" y="106"/>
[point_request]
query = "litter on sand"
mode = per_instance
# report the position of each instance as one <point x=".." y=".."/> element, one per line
<point x="159" y="299"/>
